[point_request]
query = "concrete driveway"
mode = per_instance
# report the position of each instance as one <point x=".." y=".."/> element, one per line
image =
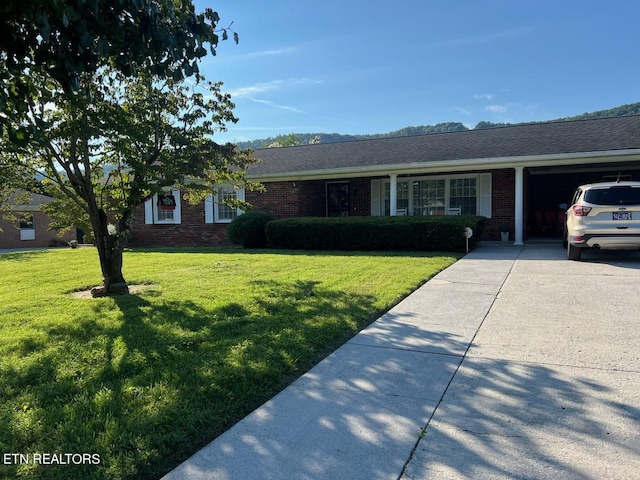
<point x="550" y="387"/>
<point x="511" y="363"/>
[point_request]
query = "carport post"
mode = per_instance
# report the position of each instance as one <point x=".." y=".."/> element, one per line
<point x="519" y="205"/>
<point x="393" y="194"/>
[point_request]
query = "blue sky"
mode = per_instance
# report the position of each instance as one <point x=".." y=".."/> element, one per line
<point x="356" y="66"/>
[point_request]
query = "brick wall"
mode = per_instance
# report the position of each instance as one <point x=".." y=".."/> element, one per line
<point x="281" y="199"/>
<point x="10" y="235"/>
<point x="360" y="197"/>
<point x="297" y="199"/>
<point x="502" y="204"/>
<point x="192" y="232"/>
<point x="309" y="198"/>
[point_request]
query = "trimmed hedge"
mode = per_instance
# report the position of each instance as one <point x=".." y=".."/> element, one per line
<point x="431" y="233"/>
<point x="248" y="230"/>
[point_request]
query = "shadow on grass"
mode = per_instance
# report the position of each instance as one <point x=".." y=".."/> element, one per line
<point x="147" y="391"/>
<point x="22" y="254"/>
<point x="289" y="252"/>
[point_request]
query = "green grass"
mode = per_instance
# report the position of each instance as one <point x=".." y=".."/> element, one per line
<point x="146" y="380"/>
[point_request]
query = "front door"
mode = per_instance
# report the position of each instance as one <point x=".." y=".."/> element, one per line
<point x="338" y="199"/>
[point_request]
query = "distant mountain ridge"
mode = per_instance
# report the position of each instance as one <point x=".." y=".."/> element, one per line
<point x="307" y="138"/>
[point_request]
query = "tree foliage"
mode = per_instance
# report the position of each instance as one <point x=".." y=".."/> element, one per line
<point x="66" y="38"/>
<point x="105" y="99"/>
<point x="627" y="109"/>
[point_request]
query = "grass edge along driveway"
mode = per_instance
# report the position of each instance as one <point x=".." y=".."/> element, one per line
<point x="138" y="383"/>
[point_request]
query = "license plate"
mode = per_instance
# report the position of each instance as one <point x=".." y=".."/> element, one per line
<point x="622" y="215"/>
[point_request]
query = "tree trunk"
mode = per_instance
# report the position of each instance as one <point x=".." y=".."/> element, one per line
<point x="110" y="248"/>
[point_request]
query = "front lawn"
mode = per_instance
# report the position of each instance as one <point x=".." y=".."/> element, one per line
<point x="138" y="383"/>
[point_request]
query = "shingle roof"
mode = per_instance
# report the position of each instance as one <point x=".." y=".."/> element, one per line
<point x="524" y="140"/>
<point x="35" y="200"/>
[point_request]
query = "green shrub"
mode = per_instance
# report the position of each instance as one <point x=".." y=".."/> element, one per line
<point x="248" y="230"/>
<point x="431" y="233"/>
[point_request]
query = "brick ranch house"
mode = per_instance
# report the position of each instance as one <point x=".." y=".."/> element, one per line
<point x="517" y="176"/>
<point x="30" y="229"/>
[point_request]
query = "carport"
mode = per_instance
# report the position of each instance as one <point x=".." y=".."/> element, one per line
<point x="547" y="188"/>
<point x="544" y="183"/>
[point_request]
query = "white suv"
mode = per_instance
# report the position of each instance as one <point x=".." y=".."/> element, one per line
<point x="603" y="215"/>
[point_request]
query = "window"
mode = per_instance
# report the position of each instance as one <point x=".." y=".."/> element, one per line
<point x="216" y="208"/>
<point x="164" y="216"/>
<point x="463" y="195"/>
<point x="437" y="195"/>
<point x="28" y="228"/>
<point x="429" y="197"/>
<point x="618" y="195"/>
<point x="402" y="198"/>
<point x="223" y="212"/>
<point x="163" y="208"/>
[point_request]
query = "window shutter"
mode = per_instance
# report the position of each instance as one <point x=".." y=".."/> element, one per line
<point x="375" y="198"/>
<point x="148" y="212"/>
<point x="484" y="207"/>
<point x="208" y="209"/>
<point x="177" y="212"/>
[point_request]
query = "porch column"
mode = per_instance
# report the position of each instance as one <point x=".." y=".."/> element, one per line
<point x="393" y="195"/>
<point x="519" y="205"/>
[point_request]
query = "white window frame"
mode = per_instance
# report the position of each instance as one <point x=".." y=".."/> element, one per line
<point x="483" y="192"/>
<point x="151" y="211"/>
<point x="28" y="233"/>
<point x="212" y="204"/>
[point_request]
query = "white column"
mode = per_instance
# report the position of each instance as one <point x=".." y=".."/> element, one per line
<point x="393" y="195"/>
<point x="519" y="205"/>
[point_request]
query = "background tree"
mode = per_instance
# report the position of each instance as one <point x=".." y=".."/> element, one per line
<point x="91" y="84"/>
<point x="289" y="140"/>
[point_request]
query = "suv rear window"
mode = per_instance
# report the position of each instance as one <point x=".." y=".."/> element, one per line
<point x="622" y="195"/>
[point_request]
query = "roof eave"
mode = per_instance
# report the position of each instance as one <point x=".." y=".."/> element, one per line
<point x="453" y="165"/>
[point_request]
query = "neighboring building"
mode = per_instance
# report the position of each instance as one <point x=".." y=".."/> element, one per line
<point x="31" y="227"/>
<point x="517" y="176"/>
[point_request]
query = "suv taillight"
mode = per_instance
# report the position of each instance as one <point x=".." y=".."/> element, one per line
<point x="581" y="210"/>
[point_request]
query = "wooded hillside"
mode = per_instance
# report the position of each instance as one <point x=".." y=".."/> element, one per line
<point x="307" y="138"/>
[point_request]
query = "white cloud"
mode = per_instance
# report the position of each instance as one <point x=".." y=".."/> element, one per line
<point x="497" y="108"/>
<point x="517" y="111"/>
<point x="484" y="96"/>
<point x="251" y="92"/>
<point x="273" y="104"/>
<point x="270" y="53"/>
<point x="258" y="88"/>
<point x="464" y="111"/>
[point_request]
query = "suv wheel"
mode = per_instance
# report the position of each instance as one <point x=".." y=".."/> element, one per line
<point x="573" y="252"/>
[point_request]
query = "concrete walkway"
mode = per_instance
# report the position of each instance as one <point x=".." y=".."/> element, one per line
<point x="511" y="363"/>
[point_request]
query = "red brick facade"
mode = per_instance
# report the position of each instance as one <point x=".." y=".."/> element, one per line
<point x="192" y="231"/>
<point x="43" y="237"/>
<point x="300" y="199"/>
<point x="309" y="198"/>
<point x="502" y="204"/>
